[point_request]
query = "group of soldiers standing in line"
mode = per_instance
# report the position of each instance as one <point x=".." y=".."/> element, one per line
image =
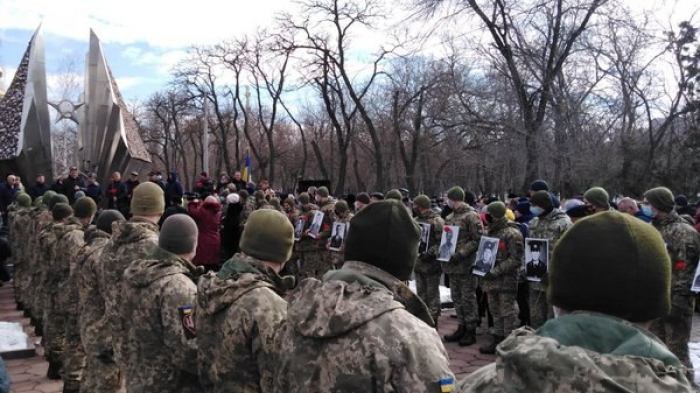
<point x="119" y="301"/>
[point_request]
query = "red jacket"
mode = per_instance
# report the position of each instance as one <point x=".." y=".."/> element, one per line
<point x="208" y="219"/>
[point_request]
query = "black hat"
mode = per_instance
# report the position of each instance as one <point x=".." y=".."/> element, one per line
<point x="535" y="245"/>
<point x="377" y="195"/>
<point x="539" y="185"/>
<point x="681" y="200"/>
<point x="363" y="198"/>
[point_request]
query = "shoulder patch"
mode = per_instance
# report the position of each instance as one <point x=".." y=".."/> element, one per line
<point x="187" y="317"/>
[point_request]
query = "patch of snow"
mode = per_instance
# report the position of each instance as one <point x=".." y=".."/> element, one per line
<point x="12" y="337"/>
<point x="694" y="349"/>
<point x="445" y="294"/>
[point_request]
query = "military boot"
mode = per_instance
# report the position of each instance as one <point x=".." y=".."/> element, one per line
<point x="457" y="335"/>
<point x="54" y="371"/>
<point x="468" y="338"/>
<point x="490" y="348"/>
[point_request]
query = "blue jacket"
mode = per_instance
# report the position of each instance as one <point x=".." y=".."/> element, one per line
<point x="37" y="190"/>
<point x="7" y="195"/>
<point x="173" y="188"/>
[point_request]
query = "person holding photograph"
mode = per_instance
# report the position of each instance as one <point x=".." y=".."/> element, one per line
<point x="549" y="223"/>
<point x="306" y="245"/>
<point x="343" y="215"/>
<point x="501" y="282"/>
<point x="459" y="267"/>
<point x="536" y="267"/>
<point x="428" y="270"/>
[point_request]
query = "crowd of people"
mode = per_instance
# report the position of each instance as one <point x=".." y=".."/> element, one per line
<point x="244" y="289"/>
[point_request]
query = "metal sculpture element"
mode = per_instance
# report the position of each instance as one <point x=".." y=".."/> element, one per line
<point x="25" y="134"/>
<point x="66" y="110"/>
<point x="108" y="136"/>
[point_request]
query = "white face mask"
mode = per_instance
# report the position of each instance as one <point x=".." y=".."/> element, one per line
<point x="450" y="204"/>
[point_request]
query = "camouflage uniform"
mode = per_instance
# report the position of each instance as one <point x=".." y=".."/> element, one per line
<point x="501" y="283"/>
<point x="19" y="220"/>
<point x="427" y="269"/>
<point x="564" y="357"/>
<point x="101" y="372"/>
<point x="550" y="227"/>
<point x="236" y="322"/>
<point x="338" y="257"/>
<point x="68" y="246"/>
<point x="462" y="282"/>
<point x="159" y="350"/>
<point x="53" y="321"/>
<point x="306" y="247"/>
<point x="352" y="333"/>
<point x="39" y="264"/>
<point x="683" y="245"/>
<point x="132" y="240"/>
<point x="318" y="260"/>
<point x="248" y="207"/>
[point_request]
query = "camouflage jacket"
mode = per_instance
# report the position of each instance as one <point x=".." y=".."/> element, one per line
<point x="293" y="216"/>
<point x="503" y="276"/>
<point x="328" y="209"/>
<point x="470" y="231"/>
<point x="307" y="215"/>
<point x="68" y="247"/>
<point x="158" y="306"/>
<point x="132" y="240"/>
<point x="565" y="356"/>
<point x="94" y="332"/>
<point x="338" y="257"/>
<point x="352" y="333"/>
<point x="238" y="313"/>
<point x="427" y="262"/>
<point x="550" y="227"/>
<point x="19" y="235"/>
<point x="683" y="245"/>
<point x="248" y="208"/>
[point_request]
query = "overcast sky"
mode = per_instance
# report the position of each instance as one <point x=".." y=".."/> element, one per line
<point x="144" y="39"/>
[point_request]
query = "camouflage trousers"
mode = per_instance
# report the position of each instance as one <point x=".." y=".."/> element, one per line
<point x="101" y="375"/>
<point x="504" y="308"/>
<point x="19" y="280"/>
<point x="540" y="308"/>
<point x="675" y="328"/>
<point x="428" y="288"/>
<point x="54" y="328"/>
<point x="73" y="355"/>
<point x="463" y="290"/>
<point x="314" y="264"/>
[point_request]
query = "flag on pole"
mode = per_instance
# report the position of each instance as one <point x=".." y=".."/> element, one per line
<point x="248" y="169"/>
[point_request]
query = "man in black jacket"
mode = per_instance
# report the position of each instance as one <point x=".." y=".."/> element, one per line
<point x="71" y="184"/>
<point x="38" y="190"/>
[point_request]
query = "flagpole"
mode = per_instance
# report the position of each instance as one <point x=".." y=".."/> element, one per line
<point x="205" y="138"/>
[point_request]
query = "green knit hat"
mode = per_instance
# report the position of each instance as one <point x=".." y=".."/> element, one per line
<point x="383" y="234"/>
<point x="268" y="236"/>
<point x="394" y="194"/>
<point x="422" y="201"/>
<point x="597" y="196"/>
<point x="496" y="209"/>
<point x="612" y="263"/>
<point x="661" y="198"/>
<point x="304" y="198"/>
<point x="259" y="195"/>
<point x="39" y="202"/>
<point x="61" y="210"/>
<point x="455" y="194"/>
<point x="105" y="220"/>
<point x="47" y="197"/>
<point x="23" y="199"/>
<point x="341" y="207"/>
<point x="243" y="194"/>
<point x="57" y="198"/>
<point x="542" y="199"/>
<point x="322" y="192"/>
<point x="178" y="234"/>
<point x="147" y="200"/>
<point x="84" y="207"/>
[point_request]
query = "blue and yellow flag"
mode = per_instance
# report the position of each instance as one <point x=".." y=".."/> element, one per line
<point x="248" y="169"/>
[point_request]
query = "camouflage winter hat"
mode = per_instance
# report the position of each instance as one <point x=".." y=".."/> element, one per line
<point x="84" y="207"/>
<point x="496" y="209"/>
<point x="61" y="210"/>
<point x="597" y="196"/>
<point x="23" y="200"/>
<point x="422" y="201"/>
<point x="341" y="207"/>
<point x="322" y="192"/>
<point x="394" y="194"/>
<point x="383" y="234"/>
<point x="147" y="200"/>
<point x="455" y="194"/>
<point x="105" y="220"/>
<point x="661" y="198"/>
<point x="178" y="234"/>
<point x="268" y="236"/>
<point x="304" y="198"/>
<point x="57" y="198"/>
<point x="626" y="274"/>
<point x="46" y="199"/>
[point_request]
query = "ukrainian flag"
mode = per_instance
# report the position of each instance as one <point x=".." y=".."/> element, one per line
<point x="248" y="170"/>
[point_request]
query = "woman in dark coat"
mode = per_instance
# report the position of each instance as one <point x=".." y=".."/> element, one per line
<point x="231" y="232"/>
<point x="207" y="215"/>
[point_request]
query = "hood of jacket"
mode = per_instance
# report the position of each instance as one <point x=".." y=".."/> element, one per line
<point x="93" y="233"/>
<point x="135" y="230"/>
<point x="238" y="276"/>
<point x="173" y="177"/>
<point x="160" y="263"/>
<point x="347" y="299"/>
<point x="61" y="229"/>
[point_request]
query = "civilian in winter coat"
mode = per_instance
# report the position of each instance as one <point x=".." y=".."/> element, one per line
<point x="175" y="207"/>
<point x="117" y="194"/>
<point x="173" y="188"/>
<point x="231" y="231"/>
<point x="207" y="215"/>
<point x="39" y="188"/>
<point x="71" y="184"/>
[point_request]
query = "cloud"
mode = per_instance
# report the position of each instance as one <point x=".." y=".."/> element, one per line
<point x="128" y="82"/>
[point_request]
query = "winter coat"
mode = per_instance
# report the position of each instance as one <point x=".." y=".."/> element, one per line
<point x="94" y="191"/>
<point x="580" y="353"/>
<point x="7" y="196"/>
<point x="173" y="188"/>
<point x="37" y="190"/>
<point x="69" y="185"/>
<point x="231" y="231"/>
<point x="117" y="190"/>
<point x="550" y="227"/>
<point x="470" y="231"/>
<point x="172" y="210"/>
<point x="503" y="277"/>
<point x="208" y="219"/>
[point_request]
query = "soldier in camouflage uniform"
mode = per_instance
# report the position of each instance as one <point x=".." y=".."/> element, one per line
<point x="134" y="239"/>
<point x="19" y="222"/>
<point x="318" y="260"/>
<point x="361" y="329"/>
<point x="342" y="215"/>
<point x="501" y="282"/>
<point x="101" y="373"/>
<point x="260" y="201"/>
<point x="159" y="350"/>
<point x="69" y="246"/>
<point x="54" y="321"/>
<point x="290" y="210"/>
<point x="305" y="246"/>
<point x="683" y="246"/>
<point x="595" y="344"/>
<point x="239" y="310"/>
<point x="549" y="224"/>
<point x="428" y="269"/>
<point x="248" y="206"/>
<point x="36" y="255"/>
<point x="459" y="267"/>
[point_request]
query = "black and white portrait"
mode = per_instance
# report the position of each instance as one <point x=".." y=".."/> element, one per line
<point x="316" y="224"/>
<point x="536" y="259"/>
<point x="448" y="243"/>
<point x="424" y="238"/>
<point x="299" y="229"/>
<point x="337" y="236"/>
<point x="696" y="281"/>
<point x="486" y="255"/>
